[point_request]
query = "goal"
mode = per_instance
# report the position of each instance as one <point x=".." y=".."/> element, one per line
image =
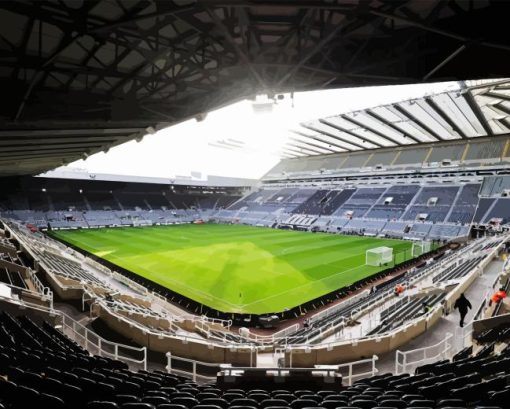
<point x="379" y="256"/>
<point x="421" y="247"/>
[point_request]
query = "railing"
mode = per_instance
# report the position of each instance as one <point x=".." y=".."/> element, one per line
<point x="134" y="356"/>
<point x="368" y="365"/>
<point x="88" y="339"/>
<point x="269" y="339"/>
<point x="335" y="308"/>
<point x="407" y="361"/>
<point x="349" y="372"/>
<point x="196" y="370"/>
<point x="46" y="291"/>
<point x="130" y="283"/>
<point x="162" y="334"/>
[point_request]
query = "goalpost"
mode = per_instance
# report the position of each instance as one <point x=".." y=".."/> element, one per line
<point x="421" y="247"/>
<point x="379" y="256"/>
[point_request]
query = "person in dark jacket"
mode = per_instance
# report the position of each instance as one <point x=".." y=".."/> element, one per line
<point x="462" y="304"/>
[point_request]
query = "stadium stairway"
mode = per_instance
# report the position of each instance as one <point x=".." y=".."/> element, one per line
<point x="449" y="323"/>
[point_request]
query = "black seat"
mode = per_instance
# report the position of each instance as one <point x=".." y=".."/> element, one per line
<point x="100" y="405"/>
<point x="186" y="401"/>
<point x="25" y="397"/>
<point x="126" y="399"/>
<point x="137" y="405"/>
<point x="205" y="407"/>
<point x="222" y="403"/>
<point x="230" y="396"/>
<point x="287" y="397"/>
<point x="452" y="403"/>
<point x="171" y="406"/>
<point x="155" y="400"/>
<point x="302" y="403"/>
<point x="244" y="402"/>
<point x="364" y="403"/>
<point x="399" y="404"/>
<point x="205" y="395"/>
<point x="273" y="402"/>
<point x="50" y="401"/>
<point x="258" y="396"/>
<point x="333" y="403"/>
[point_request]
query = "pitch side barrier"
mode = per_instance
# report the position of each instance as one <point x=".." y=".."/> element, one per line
<point x="237" y="319"/>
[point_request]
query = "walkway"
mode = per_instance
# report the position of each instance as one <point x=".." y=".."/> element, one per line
<point x="449" y="323"/>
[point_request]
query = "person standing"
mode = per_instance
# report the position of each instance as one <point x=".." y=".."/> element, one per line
<point x="462" y="304"/>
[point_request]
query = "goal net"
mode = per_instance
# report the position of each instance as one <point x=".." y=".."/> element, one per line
<point x="379" y="256"/>
<point x="421" y="247"/>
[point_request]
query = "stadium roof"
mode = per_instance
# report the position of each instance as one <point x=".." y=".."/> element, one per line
<point x="477" y="109"/>
<point x="80" y="76"/>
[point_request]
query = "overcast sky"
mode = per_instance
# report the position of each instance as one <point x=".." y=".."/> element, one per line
<point x="186" y="147"/>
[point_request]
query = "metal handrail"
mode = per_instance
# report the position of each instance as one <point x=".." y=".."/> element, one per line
<point x="86" y="335"/>
<point x="401" y="357"/>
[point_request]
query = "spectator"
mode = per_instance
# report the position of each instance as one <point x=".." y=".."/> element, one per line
<point x="462" y="304"/>
<point x="399" y="289"/>
<point x="498" y="296"/>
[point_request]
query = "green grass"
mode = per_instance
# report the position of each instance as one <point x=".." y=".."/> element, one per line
<point x="235" y="268"/>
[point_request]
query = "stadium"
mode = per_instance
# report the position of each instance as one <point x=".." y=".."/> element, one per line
<point x="254" y="204"/>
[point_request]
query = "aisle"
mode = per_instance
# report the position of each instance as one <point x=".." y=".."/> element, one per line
<point x="449" y="323"/>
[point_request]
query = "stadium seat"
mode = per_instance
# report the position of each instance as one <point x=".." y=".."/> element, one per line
<point x="101" y="405"/>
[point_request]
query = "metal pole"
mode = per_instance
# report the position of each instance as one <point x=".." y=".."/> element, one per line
<point x="194" y="371"/>
<point x="169" y="362"/>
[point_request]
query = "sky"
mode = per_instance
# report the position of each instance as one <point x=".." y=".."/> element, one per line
<point x="236" y="141"/>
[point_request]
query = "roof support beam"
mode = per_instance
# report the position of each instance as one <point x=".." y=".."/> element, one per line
<point x="443" y="115"/>
<point x="303" y="145"/>
<point x="390" y="125"/>
<point x="316" y="138"/>
<point x="355" y="135"/>
<point x="313" y="145"/>
<point x="444" y="33"/>
<point x="241" y="54"/>
<point x="411" y="117"/>
<point x="338" y="138"/>
<point x="444" y="62"/>
<point x="362" y="125"/>
<point x="316" y="48"/>
<point x="477" y="111"/>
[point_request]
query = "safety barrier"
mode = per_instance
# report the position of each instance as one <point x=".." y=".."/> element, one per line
<point x="135" y="357"/>
<point x="407" y="361"/>
<point x="349" y="372"/>
<point x="196" y="370"/>
<point x="337" y="307"/>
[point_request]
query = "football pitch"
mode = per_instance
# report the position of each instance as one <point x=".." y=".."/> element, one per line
<point x="236" y="268"/>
